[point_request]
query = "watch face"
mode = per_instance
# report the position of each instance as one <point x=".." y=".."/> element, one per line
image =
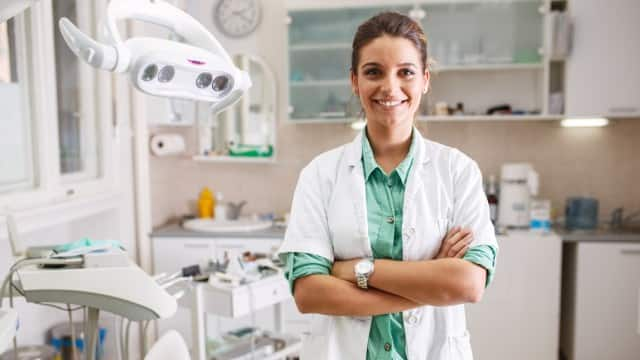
<point x="364" y="267"/>
<point x="237" y="18"/>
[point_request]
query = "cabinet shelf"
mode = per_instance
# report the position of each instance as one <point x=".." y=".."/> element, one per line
<point x="234" y="159"/>
<point x="312" y="83"/>
<point x="318" y="47"/>
<point x="427" y="118"/>
<point x="487" y="67"/>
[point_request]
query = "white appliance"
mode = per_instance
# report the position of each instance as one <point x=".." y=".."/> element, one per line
<point x="518" y="183"/>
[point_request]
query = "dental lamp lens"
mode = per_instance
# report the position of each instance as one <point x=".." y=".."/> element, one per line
<point x="166" y="74"/>
<point x="220" y="83"/>
<point x="203" y="80"/>
<point x="149" y="72"/>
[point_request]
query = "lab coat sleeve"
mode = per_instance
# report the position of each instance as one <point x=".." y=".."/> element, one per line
<point x="470" y="205"/>
<point x="307" y="230"/>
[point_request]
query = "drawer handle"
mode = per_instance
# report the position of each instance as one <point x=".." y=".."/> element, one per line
<point x="196" y="246"/>
<point x="623" y="110"/>
<point x="225" y="247"/>
<point x="630" y="252"/>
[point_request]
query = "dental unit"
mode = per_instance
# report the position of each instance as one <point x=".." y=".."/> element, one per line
<point x="98" y="276"/>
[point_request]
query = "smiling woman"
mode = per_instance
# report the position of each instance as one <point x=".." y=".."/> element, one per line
<point x="389" y="234"/>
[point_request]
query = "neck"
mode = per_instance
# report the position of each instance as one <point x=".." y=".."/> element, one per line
<point x="389" y="143"/>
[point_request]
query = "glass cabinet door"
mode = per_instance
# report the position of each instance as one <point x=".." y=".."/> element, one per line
<point x="478" y="36"/>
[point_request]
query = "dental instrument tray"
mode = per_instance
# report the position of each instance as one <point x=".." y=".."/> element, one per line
<point x="229" y="300"/>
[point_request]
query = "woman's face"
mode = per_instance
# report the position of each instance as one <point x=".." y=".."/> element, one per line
<point x="390" y="81"/>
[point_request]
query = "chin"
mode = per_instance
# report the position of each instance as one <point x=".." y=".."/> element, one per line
<point x="392" y="120"/>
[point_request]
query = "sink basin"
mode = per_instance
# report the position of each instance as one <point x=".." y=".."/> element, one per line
<point x="227" y="226"/>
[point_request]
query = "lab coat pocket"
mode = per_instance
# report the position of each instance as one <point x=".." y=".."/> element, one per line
<point x="459" y="347"/>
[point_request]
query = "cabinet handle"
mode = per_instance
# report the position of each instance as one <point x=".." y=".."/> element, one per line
<point x="225" y="247"/>
<point x="623" y="110"/>
<point x="630" y="252"/>
<point x="196" y="246"/>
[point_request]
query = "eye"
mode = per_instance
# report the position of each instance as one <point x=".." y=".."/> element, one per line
<point x="407" y="72"/>
<point x="371" y="72"/>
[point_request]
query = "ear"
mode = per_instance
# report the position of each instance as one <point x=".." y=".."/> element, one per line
<point x="427" y="77"/>
<point x="354" y="83"/>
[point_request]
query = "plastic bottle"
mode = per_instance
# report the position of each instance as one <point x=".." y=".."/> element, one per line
<point x="205" y="204"/>
<point x="492" y="198"/>
<point x="220" y="208"/>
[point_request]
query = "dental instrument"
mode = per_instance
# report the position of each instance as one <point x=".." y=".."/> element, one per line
<point x="199" y="69"/>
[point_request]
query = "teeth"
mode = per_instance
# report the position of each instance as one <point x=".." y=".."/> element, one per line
<point x="389" y="103"/>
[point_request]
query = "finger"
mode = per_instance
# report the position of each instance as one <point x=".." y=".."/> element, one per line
<point x="460" y="244"/>
<point x="455" y="238"/>
<point x="452" y="238"/>
<point x="452" y="231"/>
<point x="460" y="254"/>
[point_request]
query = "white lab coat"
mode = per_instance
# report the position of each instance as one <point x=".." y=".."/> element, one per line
<point x="329" y="218"/>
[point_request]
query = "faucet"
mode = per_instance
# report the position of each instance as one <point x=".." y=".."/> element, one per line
<point x="618" y="220"/>
<point x="233" y="209"/>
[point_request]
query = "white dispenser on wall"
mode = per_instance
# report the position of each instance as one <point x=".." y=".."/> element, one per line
<point x="518" y="183"/>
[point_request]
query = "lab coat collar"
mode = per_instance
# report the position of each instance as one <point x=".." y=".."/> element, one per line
<point x="353" y="154"/>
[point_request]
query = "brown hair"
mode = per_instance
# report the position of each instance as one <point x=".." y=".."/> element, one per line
<point x="392" y="24"/>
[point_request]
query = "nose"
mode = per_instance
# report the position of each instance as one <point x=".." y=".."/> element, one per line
<point x="390" y="84"/>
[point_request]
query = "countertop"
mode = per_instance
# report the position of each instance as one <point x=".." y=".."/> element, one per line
<point x="277" y="232"/>
<point x="597" y="236"/>
<point x="177" y="231"/>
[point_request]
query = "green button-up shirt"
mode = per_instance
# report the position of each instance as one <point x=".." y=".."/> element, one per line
<point x="385" y="198"/>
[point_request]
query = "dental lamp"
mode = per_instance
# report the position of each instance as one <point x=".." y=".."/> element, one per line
<point x="199" y="69"/>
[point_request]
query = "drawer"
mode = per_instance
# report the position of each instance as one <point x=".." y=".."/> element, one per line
<point x="242" y="300"/>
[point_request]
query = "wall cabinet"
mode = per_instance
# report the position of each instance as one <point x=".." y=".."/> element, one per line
<point x="602" y="75"/>
<point x="519" y="314"/>
<point x="484" y="54"/>
<point x="601" y="301"/>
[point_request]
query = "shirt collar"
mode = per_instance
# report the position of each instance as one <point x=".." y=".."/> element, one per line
<point x="369" y="163"/>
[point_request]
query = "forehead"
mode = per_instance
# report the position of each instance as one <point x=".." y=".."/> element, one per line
<point x="388" y="51"/>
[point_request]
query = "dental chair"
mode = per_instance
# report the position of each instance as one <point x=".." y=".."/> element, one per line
<point x="170" y="346"/>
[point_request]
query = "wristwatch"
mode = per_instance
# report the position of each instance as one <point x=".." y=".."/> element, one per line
<point x="363" y="269"/>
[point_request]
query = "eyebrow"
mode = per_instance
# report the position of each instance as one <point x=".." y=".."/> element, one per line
<point x="377" y="64"/>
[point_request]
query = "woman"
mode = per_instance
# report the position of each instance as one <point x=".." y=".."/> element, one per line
<point x="379" y="245"/>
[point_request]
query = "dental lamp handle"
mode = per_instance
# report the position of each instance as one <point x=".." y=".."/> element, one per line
<point x="165" y="15"/>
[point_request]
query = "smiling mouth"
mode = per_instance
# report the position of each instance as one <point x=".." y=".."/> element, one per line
<point x="390" y="103"/>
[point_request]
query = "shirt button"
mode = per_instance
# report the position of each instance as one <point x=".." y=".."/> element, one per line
<point x="387" y="347"/>
<point x="391" y="219"/>
<point x="412" y="320"/>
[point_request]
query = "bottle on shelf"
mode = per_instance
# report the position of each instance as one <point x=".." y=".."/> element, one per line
<point x="492" y="198"/>
<point x="220" y="207"/>
<point x="205" y="204"/>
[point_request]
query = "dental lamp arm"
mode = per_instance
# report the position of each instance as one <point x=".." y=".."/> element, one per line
<point x="163" y="14"/>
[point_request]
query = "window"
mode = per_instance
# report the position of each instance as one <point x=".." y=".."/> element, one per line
<point x="77" y="133"/>
<point x="16" y="151"/>
<point x="57" y="139"/>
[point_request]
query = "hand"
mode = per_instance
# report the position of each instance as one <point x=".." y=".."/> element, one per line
<point x="455" y="244"/>
<point x="344" y="270"/>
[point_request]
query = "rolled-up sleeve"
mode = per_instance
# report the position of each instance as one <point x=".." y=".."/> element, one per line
<point x="304" y="264"/>
<point x="484" y="256"/>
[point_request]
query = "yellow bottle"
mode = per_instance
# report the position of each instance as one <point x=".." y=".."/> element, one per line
<point x="205" y="204"/>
